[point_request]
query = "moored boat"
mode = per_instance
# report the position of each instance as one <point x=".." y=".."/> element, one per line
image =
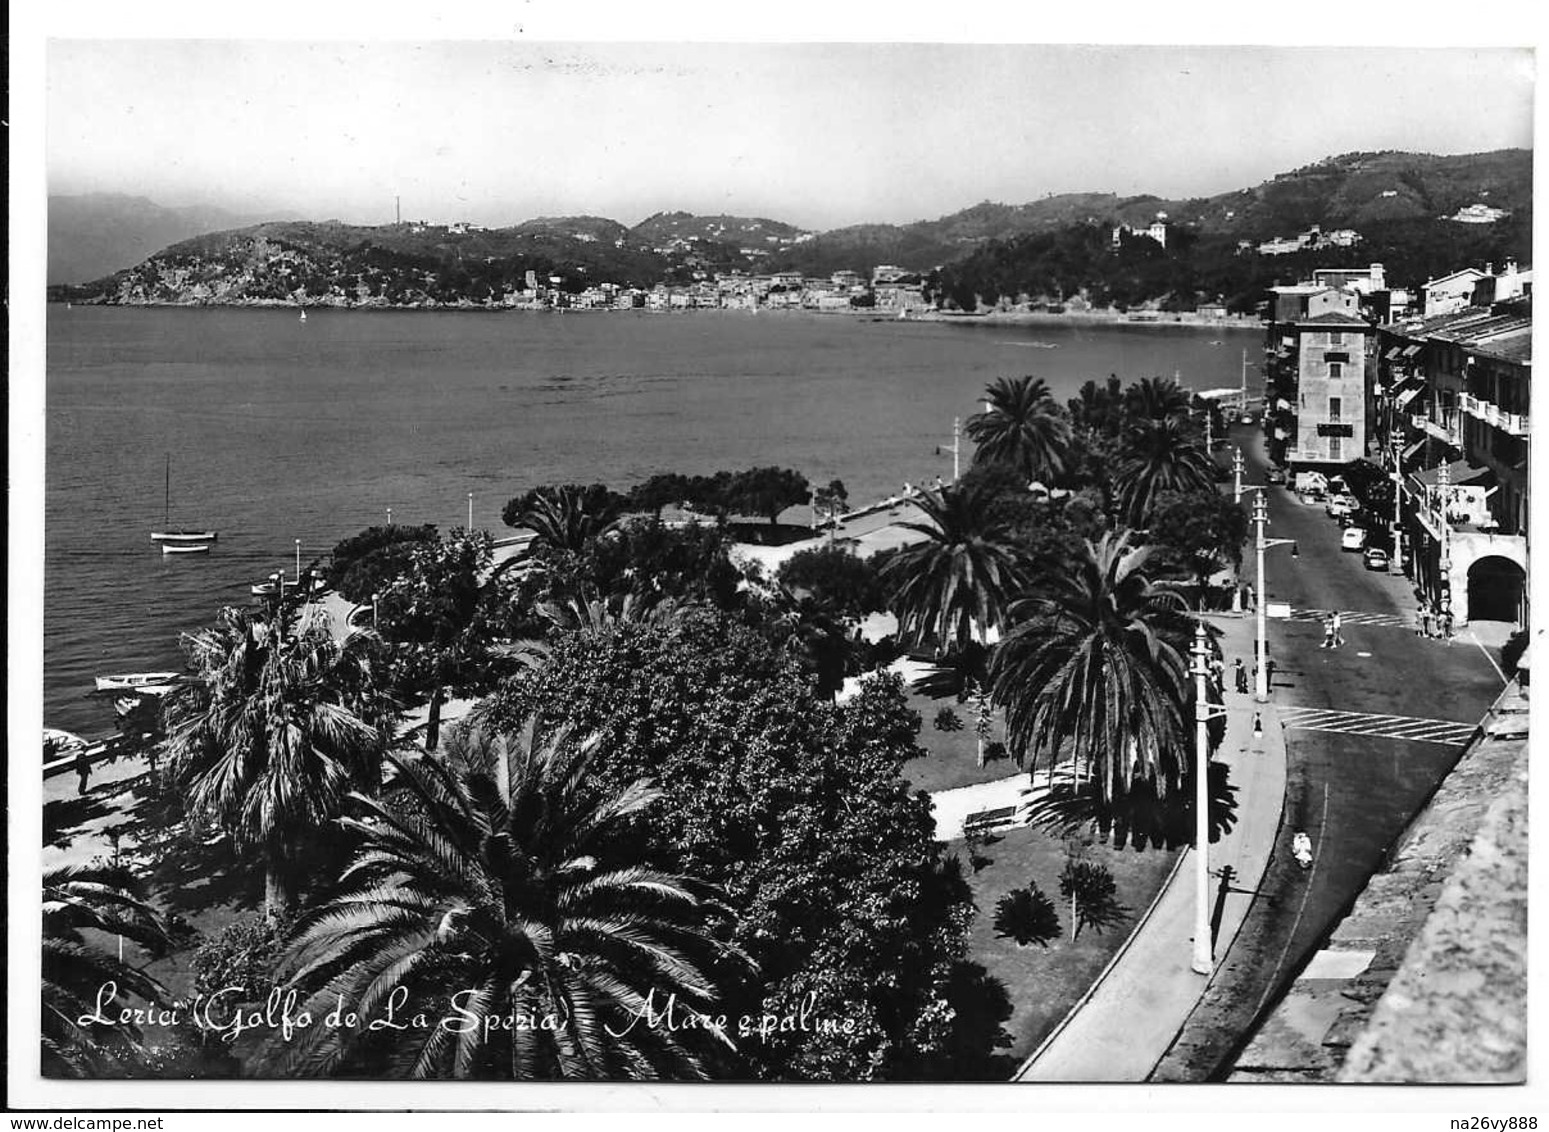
<point x="147" y="683"/>
<point x="185" y="548"/>
<point x="179" y="540"/>
<point x="57" y="744"/>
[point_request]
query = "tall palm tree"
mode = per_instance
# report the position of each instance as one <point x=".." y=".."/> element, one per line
<point x="496" y="874"/>
<point x="1156" y="399"/>
<point x="956" y="583"/>
<point x="1097" y="665"/>
<point x="109" y="900"/>
<point x="1159" y="457"/>
<point x="1022" y="428"/>
<point x="280" y="723"/>
<point x="1098" y="408"/>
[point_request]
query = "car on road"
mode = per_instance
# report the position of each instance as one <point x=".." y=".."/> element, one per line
<point x="1339" y="505"/>
<point x="1354" y="538"/>
<point x="1375" y="558"/>
<point x="1275" y="476"/>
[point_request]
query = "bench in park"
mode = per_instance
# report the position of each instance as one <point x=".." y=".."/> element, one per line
<point x="988" y="821"/>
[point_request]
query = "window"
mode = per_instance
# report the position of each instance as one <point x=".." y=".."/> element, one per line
<point x="1336" y="338"/>
<point x="1336" y="448"/>
<point x="1336" y="369"/>
<point x="1335" y="407"/>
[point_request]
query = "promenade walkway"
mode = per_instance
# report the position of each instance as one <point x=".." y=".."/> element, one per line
<point x="1125" y="1023"/>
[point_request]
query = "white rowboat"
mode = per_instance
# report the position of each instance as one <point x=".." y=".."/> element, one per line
<point x="151" y="683"/>
<point x="185" y="548"/>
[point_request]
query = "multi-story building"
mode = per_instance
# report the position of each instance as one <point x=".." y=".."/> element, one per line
<point x="1320" y="369"/>
<point x="1454" y="397"/>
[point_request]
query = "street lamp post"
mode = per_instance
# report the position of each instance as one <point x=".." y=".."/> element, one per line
<point x="373" y="610"/>
<point x="389" y="516"/>
<point x="1397" y="565"/>
<point x="1204" y="950"/>
<point x="1443" y="497"/>
<point x="470" y="512"/>
<point x="1237" y="475"/>
<point x="298" y="562"/>
<point x="1260" y="545"/>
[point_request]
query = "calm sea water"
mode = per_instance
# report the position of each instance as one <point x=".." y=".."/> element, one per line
<point x="279" y="431"/>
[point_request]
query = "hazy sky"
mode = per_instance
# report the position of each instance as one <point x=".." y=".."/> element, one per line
<point x="818" y="135"/>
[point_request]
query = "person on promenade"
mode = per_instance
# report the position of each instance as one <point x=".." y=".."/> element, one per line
<point x="1241" y="674"/>
<point x="1269" y="673"/>
<point x="1423" y="620"/>
<point x="1446" y="626"/>
<point x="1328" y="633"/>
<point x="82" y="769"/>
<point x="1336" y="623"/>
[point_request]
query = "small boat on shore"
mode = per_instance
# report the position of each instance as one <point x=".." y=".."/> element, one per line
<point x="57" y="744"/>
<point x="146" y="683"/>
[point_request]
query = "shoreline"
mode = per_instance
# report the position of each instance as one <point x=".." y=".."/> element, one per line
<point x="867" y="314"/>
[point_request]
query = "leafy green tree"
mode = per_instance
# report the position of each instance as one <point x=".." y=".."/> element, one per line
<point x="950" y="588"/>
<point x="836" y="577"/>
<point x="364" y="564"/>
<point x="244" y="955"/>
<point x="1158" y="458"/>
<point x="1026" y="916"/>
<point x="279" y="724"/>
<point x="500" y="886"/>
<point x="1097" y="666"/>
<point x="767" y="491"/>
<point x="796" y="808"/>
<point x="830" y="501"/>
<point x="1022" y="428"/>
<point x="449" y="617"/>
<point x="666" y="490"/>
<point x="76" y="903"/>
<point x="1198" y="532"/>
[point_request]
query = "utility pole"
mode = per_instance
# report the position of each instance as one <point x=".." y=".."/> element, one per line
<point x="1260" y="674"/>
<point x="397" y="210"/>
<point x="470" y="512"/>
<point x="1204" y="951"/>
<point x="1443" y="497"/>
<point x="1244" y="381"/>
<point x="298" y="562"/>
<point x="956" y="446"/>
<point x="1237" y="468"/>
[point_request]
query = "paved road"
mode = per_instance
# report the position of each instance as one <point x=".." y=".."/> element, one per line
<point x="1353" y="788"/>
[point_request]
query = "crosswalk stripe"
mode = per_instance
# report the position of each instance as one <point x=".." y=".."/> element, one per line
<point x="1353" y="617"/>
<point x="1405" y="727"/>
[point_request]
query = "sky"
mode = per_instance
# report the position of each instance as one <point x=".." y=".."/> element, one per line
<point x="816" y="134"/>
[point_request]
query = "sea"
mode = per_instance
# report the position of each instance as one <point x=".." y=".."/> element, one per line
<point x="278" y="430"/>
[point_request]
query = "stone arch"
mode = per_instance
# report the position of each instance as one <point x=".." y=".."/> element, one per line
<point x="1496" y="585"/>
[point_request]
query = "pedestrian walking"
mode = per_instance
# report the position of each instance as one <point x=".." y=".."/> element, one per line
<point x="1328" y="633"/>
<point x="1420" y="621"/>
<point x="1425" y="621"/>
<point x="1446" y="625"/>
<point x="1241" y="674"/>
<point x="1269" y="673"/>
<point x="1337" y="624"/>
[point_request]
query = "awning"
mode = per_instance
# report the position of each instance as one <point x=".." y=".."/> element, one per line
<point x="1406" y="396"/>
<point x="1392" y="353"/>
<point x="1411" y="351"/>
<point x="1409" y="453"/>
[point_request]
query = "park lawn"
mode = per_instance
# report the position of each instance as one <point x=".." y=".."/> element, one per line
<point x="951" y="755"/>
<point x="1043" y="983"/>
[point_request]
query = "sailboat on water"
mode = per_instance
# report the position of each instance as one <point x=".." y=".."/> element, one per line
<point x="180" y="540"/>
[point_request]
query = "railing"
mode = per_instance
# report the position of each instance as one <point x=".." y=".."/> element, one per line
<point x="1514" y="423"/>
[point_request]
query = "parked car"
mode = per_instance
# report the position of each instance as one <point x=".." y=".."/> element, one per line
<point x="1275" y="475"/>
<point x="1338" y="505"/>
<point x="1375" y="558"/>
<point x="1354" y="538"/>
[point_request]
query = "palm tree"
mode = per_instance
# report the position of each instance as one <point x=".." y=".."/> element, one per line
<point x="109" y="900"/>
<point x="956" y="583"/>
<point x="1097" y="665"/>
<point x="281" y="722"/>
<point x="1098" y="408"/>
<point x="496" y="875"/>
<point x="566" y="519"/>
<point x="1022" y="428"/>
<point x="1156" y="399"/>
<point x="1158" y="457"/>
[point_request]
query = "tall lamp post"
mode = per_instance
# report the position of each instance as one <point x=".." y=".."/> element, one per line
<point x="1260" y="545"/>
<point x="298" y="562"/>
<point x="1443" y="498"/>
<point x="1204" y="710"/>
<point x="470" y="512"/>
<point x="1397" y="565"/>
<point x="1237" y="469"/>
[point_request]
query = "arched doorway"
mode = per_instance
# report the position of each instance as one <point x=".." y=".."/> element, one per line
<point x="1495" y="586"/>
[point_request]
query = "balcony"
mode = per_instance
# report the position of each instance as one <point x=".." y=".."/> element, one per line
<point x="1514" y="423"/>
